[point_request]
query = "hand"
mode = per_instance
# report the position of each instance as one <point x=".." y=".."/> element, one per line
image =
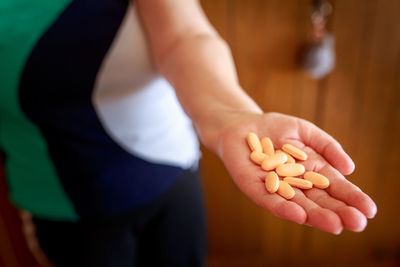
<point x="341" y="205"/>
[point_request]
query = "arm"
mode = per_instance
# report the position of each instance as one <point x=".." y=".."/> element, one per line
<point x="198" y="63"/>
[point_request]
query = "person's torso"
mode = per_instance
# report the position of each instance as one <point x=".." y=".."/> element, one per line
<point x="87" y="126"/>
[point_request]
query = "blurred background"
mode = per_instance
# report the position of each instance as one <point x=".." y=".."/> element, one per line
<point x="358" y="104"/>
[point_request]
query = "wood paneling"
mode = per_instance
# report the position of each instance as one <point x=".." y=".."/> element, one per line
<point x="359" y="104"/>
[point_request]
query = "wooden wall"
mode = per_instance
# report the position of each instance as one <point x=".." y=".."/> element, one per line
<point x="359" y="104"/>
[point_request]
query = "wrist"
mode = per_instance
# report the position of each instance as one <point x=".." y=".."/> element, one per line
<point x="213" y="127"/>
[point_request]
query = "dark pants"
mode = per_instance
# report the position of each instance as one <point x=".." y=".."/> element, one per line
<point x="169" y="231"/>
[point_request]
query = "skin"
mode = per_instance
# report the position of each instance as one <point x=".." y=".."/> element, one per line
<point x="197" y="62"/>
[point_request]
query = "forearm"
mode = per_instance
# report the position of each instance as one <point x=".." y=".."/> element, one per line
<point x="201" y="69"/>
<point x="197" y="62"/>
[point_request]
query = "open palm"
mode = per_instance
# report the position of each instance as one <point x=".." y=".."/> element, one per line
<point x="341" y="205"/>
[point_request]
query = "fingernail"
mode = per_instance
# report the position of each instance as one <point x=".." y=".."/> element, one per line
<point x="338" y="232"/>
<point x="373" y="213"/>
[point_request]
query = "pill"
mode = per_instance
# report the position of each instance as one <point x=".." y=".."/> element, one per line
<point x="318" y="180"/>
<point x="285" y="190"/>
<point x="294" y="151"/>
<point x="290" y="169"/>
<point x="272" y="182"/>
<point x="258" y="157"/>
<point x="298" y="182"/>
<point x="290" y="159"/>
<point x="273" y="161"/>
<point x="254" y="142"/>
<point x="268" y="146"/>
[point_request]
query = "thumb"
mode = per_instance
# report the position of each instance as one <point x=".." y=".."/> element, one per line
<point x="327" y="146"/>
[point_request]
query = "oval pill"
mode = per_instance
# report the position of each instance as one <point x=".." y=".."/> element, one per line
<point x="298" y="182"/>
<point x="254" y="142"/>
<point x="268" y="146"/>
<point x="295" y="152"/>
<point x="290" y="169"/>
<point x="318" y="180"/>
<point x="285" y="190"/>
<point x="258" y="157"/>
<point x="290" y="159"/>
<point x="273" y="161"/>
<point x="272" y="182"/>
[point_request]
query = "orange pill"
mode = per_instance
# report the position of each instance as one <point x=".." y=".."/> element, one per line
<point x="297" y="182"/>
<point x="258" y="157"/>
<point x="294" y="151"/>
<point x="318" y="180"/>
<point x="290" y="159"/>
<point x="285" y="190"/>
<point x="254" y="142"/>
<point x="268" y="146"/>
<point x="273" y="161"/>
<point x="272" y="182"/>
<point x="290" y="169"/>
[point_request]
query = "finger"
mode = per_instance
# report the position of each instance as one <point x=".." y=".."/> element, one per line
<point x="351" y="217"/>
<point x="341" y="189"/>
<point x="321" y="218"/>
<point x="327" y="146"/>
<point x="276" y="204"/>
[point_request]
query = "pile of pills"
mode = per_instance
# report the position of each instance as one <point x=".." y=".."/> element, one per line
<point x="284" y="172"/>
